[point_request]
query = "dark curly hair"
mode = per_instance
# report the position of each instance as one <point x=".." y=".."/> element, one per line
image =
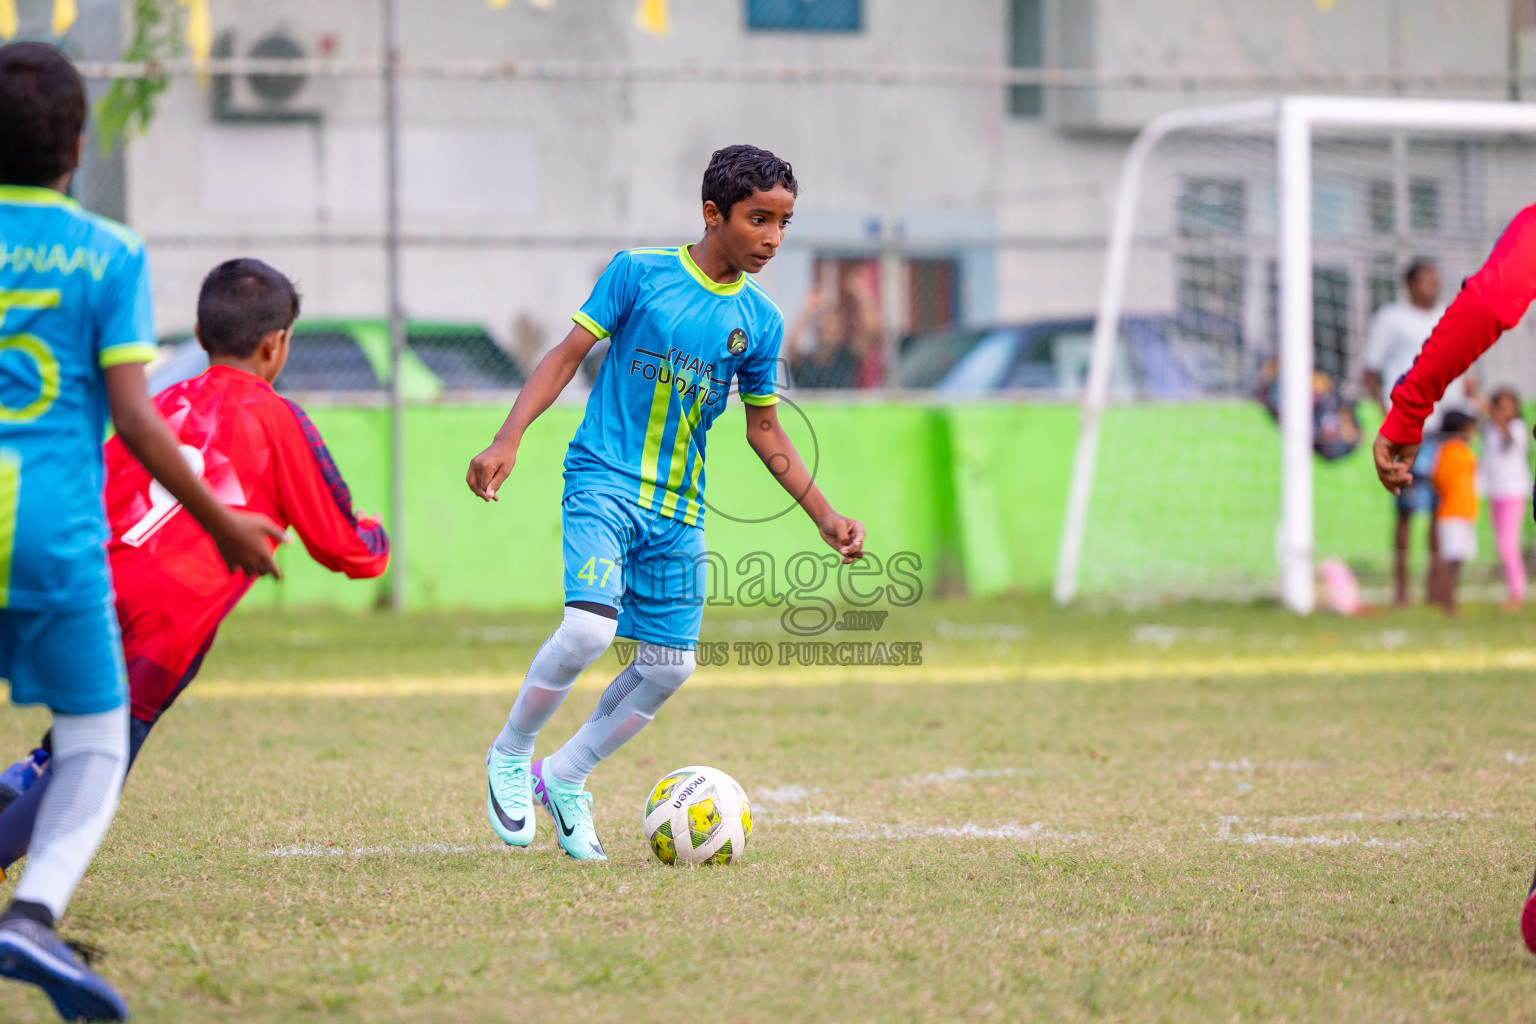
<point x="735" y="172"/>
<point x="42" y="113"/>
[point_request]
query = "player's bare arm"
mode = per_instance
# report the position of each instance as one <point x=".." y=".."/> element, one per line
<point x="767" y="437"/>
<point x="558" y="368"/>
<point x="244" y="539"/>
<point x="1370" y="383"/>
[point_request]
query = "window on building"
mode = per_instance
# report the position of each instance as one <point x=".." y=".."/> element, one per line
<point x="805" y="15"/>
<point x="1383" y="282"/>
<point x="1383" y="209"/>
<point x="1330" y="316"/>
<point x="933" y="295"/>
<point x="1026" y="49"/>
<point x="1423" y="206"/>
<point x="1212" y="206"/>
<point x="1212" y="279"/>
<point x="1212" y="286"/>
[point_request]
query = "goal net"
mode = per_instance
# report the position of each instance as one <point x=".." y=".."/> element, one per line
<point x="1180" y="485"/>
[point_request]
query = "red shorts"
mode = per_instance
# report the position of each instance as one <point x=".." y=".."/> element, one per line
<point x="165" y="637"/>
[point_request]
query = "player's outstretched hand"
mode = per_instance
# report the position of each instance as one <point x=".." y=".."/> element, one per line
<point x="488" y="469"/>
<point x="843" y="535"/>
<point x="1394" y="463"/>
<point x="245" y="542"/>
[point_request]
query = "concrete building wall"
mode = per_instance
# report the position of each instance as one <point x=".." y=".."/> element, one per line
<point x="553" y="176"/>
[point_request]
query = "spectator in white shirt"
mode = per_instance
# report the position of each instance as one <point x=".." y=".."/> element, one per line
<point x="1397" y="333"/>
<point x="1506" y="466"/>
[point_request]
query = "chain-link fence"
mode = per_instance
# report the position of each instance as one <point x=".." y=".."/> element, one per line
<point x="957" y="165"/>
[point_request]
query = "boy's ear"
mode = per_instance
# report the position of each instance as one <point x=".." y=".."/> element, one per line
<point x="272" y="341"/>
<point x="197" y="332"/>
<point x="712" y="216"/>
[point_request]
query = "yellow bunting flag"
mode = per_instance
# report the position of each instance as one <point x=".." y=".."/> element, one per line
<point x="653" y="16"/>
<point x="497" y="4"/>
<point x="1324" y="5"/>
<point x="9" y="23"/>
<point x="542" y="5"/>
<point x="64" y="15"/>
<point x="199" y="29"/>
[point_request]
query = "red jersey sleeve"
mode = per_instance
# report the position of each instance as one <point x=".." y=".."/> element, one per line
<point x="316" y="500"/>
<point x="1492" y="301"/>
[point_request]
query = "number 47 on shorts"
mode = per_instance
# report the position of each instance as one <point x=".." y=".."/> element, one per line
<point x="589" y="571"/>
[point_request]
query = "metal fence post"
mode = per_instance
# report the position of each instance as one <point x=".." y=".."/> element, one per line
<point x="397" y="567"/>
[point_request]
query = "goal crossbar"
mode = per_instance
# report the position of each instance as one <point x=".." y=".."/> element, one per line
<point x="1294" y="119"/>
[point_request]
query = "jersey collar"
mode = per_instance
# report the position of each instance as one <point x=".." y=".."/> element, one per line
<point x="225" y="370"/>
<point x="32" y="195"/>
<point x="704" y="279"/>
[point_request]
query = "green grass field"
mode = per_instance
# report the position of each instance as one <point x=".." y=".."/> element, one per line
<point x="1199" y="813"/>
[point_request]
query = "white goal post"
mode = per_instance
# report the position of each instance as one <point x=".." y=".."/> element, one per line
<point x="1294" y="119"/>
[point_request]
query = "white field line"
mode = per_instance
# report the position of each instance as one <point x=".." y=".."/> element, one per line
<point x="1227" y="828"/>
<point x="856" y="829"/>
<point x="1514" y="758"/>
<point x="375" y="851"/>
<point x="768" y="796"/>
<point x="965" y="774"/>
<point x="1330" y="664"/>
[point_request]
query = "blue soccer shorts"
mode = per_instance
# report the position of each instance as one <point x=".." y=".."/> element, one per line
<point x="1420" y="496"/>
<point x="648" y="566"/>
<point x="70" y="661"/>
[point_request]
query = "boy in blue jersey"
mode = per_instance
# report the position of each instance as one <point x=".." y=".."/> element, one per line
<point x="75" y="332"/>
<point x="683" y="323"/>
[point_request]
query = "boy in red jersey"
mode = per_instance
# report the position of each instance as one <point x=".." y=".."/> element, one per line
<point x="257" y="451"/>
<point x="1491" y="302"/>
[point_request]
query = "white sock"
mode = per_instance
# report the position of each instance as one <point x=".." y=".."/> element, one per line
<point x="627" y="706"/>
<point x="580" y="640"/>
<point x="90" y="758"/>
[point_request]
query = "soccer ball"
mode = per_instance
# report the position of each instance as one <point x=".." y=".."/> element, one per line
<point x="698" y="815"/>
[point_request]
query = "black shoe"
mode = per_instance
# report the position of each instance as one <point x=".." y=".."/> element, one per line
<point x="32" y="953"/>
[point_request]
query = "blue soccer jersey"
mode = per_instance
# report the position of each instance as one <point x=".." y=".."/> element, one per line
<point x="678" y="341"/>
<point x="74" y="299"/>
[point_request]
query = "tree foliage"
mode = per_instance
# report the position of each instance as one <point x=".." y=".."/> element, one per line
<point x="129" y="105"/>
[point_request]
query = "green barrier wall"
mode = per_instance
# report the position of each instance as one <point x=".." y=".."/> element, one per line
<point x="973" y="496"/>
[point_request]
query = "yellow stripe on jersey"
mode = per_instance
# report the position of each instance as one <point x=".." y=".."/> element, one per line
<point x="598" y="330"/>
<point x="690" y="497"/>
<point x="10" y="496"/>
<point x="650" y="455"/>
<point x="679" y="462"/>
<point x="133" y="352"/>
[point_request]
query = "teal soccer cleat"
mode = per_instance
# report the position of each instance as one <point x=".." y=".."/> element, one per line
<point x="509" y="798"/>
<point x="571" y="809"/>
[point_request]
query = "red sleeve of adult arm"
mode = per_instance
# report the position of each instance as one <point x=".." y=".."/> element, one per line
<point x="1493" y="300"/>
<point x="318" y="503"/>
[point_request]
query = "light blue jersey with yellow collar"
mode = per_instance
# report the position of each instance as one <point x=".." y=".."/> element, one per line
<point x="680" y="344"/>
<point x="74" y="300"/>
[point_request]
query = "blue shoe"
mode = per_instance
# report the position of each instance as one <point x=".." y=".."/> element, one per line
<point x="19" y="777"/>
<point x="509" y="798"/>
<point x="572" y="810"/>
<point x="32" y="953"/>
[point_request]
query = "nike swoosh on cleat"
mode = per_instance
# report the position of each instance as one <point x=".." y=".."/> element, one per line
<point x="509" y="824"/>
<point x="567" y="829"/>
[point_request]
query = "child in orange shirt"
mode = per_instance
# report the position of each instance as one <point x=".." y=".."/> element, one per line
<point x="1456" y="518"/>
